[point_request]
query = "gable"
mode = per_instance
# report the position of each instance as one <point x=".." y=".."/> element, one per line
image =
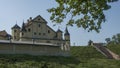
<point x="50" y="29"/>
<point x="40" y="19"/>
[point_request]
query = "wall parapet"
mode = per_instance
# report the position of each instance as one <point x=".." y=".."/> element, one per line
<point x="17" y="47"/>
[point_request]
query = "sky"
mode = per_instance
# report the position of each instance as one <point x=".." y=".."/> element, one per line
<point x="17" y="11"/>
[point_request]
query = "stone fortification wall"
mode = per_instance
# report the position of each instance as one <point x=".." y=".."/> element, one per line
<point x="32" y="49"/>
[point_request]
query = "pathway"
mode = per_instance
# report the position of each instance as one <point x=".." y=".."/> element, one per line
<point x="105" y="51"/>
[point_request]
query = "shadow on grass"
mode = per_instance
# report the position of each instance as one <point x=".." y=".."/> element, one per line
<point x="43" y="60"/>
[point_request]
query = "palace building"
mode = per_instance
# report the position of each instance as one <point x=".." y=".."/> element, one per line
<point x="37" y="30"/>
<point x="35" y="37"/>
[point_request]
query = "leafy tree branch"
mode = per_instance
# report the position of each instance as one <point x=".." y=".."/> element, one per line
<point x="88" y="14"/>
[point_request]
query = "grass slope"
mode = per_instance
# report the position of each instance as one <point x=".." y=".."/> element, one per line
<point x="114" y="48"/>
<point x="85" y="52"/>
<point x="90" y="58"/>
<point x="81" y="57"/>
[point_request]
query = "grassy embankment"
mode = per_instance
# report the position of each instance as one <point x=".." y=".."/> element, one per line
<point x="81" y="57"/>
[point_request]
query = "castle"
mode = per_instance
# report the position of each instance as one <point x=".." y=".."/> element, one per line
<point x="36" y="30"/>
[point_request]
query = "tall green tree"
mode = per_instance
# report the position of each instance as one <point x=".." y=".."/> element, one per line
<point x="90" y="42"/>
<point x="118" y="38"/>
<point x="108" y="40"/>
<point x="88" y="14"/>
<point x="114" y="40"/>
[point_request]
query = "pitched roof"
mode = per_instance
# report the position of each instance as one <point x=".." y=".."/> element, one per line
<point x="51" y="28"/>
<point x="15" y="27"/>
<point x="59" y="30"/>
<point x="36" y="19"/>
<point x="23" y="27"/>
<point x="40" y="18"/>
<point x="3" y="33"/>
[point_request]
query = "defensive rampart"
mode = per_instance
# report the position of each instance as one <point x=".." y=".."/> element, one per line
<point x="7" y="47"/>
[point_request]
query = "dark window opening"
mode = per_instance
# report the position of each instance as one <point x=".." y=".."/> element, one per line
<point x="15" y="30"/>
<point x="29" y="30"/>
<point x="39" y="33"/>
<point x="39" y="19"/>
<point x="35" y="33"/>
<point x="39" y="25"/>
<point x="48" y="31"/>
<point x="22" y="34"/>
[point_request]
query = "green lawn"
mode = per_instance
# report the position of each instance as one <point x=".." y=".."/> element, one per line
<point x="81" y="57"/>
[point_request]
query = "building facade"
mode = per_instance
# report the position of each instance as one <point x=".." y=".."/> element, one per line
<point x="36" y="30"/>
<point x="4" y="35"/>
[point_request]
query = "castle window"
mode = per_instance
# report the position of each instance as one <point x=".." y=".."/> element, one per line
<point x="39" y="25"/>
<point x="43" y="33"/>
<point x="39" y="33"/>
<point x="34" y="33"/>
<point x="48" y="31"/>
<point x="22" y="34"/>
<point x="29" y="30"/>
<point x="15" y="30"/>
<point x="39" y="19"/>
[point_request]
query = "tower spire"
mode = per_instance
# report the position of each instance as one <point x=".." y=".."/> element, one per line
<point x="66" y="31"/>
<point x="23" y="20"/>
<point x="23" y="27"/>
<point x="16" y="21"/>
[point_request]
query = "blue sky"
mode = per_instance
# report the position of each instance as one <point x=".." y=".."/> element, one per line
<point x="12" y="11"/>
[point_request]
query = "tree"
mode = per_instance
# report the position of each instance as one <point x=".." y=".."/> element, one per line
<point x="88" y="14"/>
<point x="90" y="42"/>
<point x="114" y="40"/>
<point x="107" y="40"/>
<point x="118" y="38"/>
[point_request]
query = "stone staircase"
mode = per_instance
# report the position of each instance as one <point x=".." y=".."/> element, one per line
<point x="115" y="56"/>
<point x="105" y="51"/>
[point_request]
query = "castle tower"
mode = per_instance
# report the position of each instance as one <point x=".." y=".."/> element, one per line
<point x="15" y="32"/>
<point x="67" y="35"/>
<point x="23" y="32"/>
<point x="67" y="40"/>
